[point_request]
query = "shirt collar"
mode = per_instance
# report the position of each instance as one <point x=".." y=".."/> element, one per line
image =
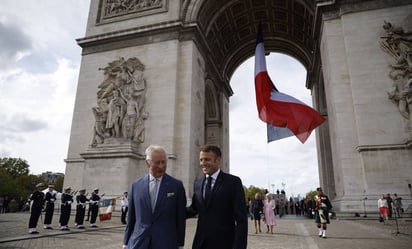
<point x="214" y="175"/>
<point x="152" y="178"/>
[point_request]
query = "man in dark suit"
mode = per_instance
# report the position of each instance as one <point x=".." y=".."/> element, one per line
<point x="219" y="201"/>
<point x="157" y="206"/>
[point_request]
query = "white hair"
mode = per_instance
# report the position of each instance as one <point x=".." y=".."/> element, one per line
<point x="152" y="148"/>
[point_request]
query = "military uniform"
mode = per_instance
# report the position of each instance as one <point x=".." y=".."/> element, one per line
<point x="94" y="207"/>
<point x="125" y="207"/>
<point x="50" y="198"/>
<point x="65" y="209"/>
<point x="81" y="200"/>
<point x="37" y="201"/>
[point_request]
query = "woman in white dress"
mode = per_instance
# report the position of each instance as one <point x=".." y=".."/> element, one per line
<point x="268" y="209"/>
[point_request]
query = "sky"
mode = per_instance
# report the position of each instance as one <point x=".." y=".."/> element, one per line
<point x="39" y="68"/>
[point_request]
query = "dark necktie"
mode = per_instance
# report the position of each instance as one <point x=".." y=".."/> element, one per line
<point x="208" y="188"/>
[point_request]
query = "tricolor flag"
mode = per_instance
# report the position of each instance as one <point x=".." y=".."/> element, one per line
<point x="285" y="116"/>
<point x="106" y="208"/>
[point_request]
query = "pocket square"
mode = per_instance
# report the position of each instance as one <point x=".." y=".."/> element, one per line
<point x="170" y="194"/>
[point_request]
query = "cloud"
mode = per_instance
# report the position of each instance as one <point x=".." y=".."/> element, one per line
<point x="22" y="124"/>
<point x="14" y="43"/>
<point x="38" y="85"/>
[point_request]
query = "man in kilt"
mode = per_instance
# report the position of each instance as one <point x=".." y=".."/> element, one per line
<point x="322" y="208"/>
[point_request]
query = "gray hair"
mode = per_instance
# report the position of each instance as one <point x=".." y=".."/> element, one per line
<point x="152" y="148"/>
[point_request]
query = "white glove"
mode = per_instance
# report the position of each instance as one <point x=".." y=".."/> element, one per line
<point x="69" y="202"/>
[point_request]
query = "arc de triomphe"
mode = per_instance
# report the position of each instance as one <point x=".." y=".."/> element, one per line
<point x="158" y="71"/>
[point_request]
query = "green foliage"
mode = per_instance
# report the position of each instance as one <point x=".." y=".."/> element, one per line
<point x="8" y="186"/>
<point x="27" y="184"/>
<point x="14" y="166"/>
<point x="58" y="186"/>
<point x="15" y="180"/>
<point x="252" y="190"/>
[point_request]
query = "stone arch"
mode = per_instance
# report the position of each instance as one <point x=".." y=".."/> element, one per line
<point x="190" y="49"/>
<point x="230" y="29"/>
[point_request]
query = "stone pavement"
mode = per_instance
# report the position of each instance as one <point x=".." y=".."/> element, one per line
<point x="290" y="232"/>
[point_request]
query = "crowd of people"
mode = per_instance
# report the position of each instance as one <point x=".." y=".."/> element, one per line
<point x="266" y="209"/>
<point x="389" y="207"/>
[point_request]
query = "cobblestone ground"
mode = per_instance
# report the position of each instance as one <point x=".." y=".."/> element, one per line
<point x="290" y="232"/>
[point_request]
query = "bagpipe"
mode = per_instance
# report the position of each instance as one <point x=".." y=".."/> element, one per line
<point x="322" y="209"/>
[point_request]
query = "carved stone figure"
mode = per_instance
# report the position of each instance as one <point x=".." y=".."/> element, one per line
<point x="99" y="129"/>
<point x="129" y="121"/>
<point x="123" y="7"/>
<point x="397" y="42"/>
<point x="115" y="114"/>
<point x="121" y="99"/>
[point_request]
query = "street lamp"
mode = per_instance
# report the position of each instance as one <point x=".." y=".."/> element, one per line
<point x="364" y="207"/>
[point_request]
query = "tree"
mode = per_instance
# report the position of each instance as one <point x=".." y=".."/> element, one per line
<point x="14" y="166"/>
<point x="7" y="184"/>
<point x="27" y="184"/>
<point x="58" y="186"/>
<point x="252" y="190"/>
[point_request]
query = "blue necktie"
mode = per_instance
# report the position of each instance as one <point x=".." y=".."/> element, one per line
<point x="153" y="191"/>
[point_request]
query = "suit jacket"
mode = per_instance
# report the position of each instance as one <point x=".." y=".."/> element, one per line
<point x="222" y="221"/>
<point x="165" y="227"/>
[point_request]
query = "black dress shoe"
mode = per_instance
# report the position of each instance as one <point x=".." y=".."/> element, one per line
<point x="34" y="232"/>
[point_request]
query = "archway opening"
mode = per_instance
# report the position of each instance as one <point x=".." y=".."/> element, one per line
<point x="285" y="164"/>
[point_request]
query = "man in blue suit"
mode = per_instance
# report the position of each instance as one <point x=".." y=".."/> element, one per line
<point x="157" y="206"/>
<point x="219" y="201"/>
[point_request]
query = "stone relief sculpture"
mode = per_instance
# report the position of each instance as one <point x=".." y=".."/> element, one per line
<point x="122" y="7"/>
<point x="397" y="42"/>
<point x="120" y="109"/>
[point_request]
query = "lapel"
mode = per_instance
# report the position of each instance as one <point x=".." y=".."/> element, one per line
<point x="146" y="194"/>
<point x="199" y="189"/>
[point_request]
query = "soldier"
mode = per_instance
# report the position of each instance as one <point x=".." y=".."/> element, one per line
<point x="50" y="198"/>
<point x="125" y="207"/>
<point x="322" y="208"/>
<point x="65" y="209"/>
<point x="81" y="200"/>
<point x="94" y="207"/>
<point x="37" y="201"/>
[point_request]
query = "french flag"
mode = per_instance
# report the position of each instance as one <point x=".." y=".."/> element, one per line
<point x="285" y="116"/>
